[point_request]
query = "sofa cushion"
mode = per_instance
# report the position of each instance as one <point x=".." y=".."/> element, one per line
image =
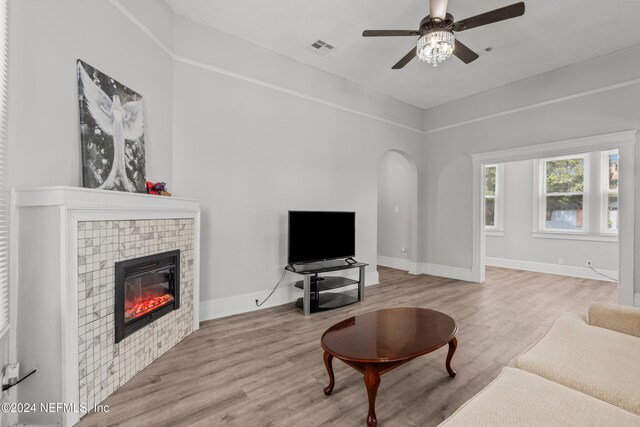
<point x="615" y="317"/>
<point x="602" y="363"/>
<point x="518" y="399"/>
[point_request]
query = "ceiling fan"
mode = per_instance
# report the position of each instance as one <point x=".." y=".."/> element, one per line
<point x="437" y="41"/>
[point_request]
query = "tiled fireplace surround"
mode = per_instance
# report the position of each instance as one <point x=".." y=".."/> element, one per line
<point x="70" y="239"/>
<point x="103" y="364"/>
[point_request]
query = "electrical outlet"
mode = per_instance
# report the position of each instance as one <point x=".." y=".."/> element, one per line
<point x="11" y="374"/>
<point x="561" y="261"/>
<point x="404" y="251"/>
<point x="588" y="263"/>
<point x="396" y="209"/>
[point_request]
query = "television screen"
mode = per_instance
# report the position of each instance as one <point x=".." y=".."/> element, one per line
<point x="317" y="236"/>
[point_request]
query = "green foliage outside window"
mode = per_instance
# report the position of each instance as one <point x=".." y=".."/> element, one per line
<point x="490" y="212"/>
<point x="490" y="181"/>
<point x="613" y="171"/>
<point x="489" y="196"/>
<point x="612" y="205"/>
<point x="612" y="212"/>
<point x="565" y="176"/>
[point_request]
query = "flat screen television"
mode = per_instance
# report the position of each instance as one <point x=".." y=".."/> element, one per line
<point x="321" y="235"/>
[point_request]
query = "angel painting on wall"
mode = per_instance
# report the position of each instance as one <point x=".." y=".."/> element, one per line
<point x="111" y="133"/>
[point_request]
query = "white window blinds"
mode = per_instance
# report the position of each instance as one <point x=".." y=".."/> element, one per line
<point x="4" y="192"/>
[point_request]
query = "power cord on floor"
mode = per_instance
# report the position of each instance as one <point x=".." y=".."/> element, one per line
<point x="603" y="275"/>
<point x="284" y="272"/>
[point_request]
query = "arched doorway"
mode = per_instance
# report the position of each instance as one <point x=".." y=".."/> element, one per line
<point x="398" y="212"/>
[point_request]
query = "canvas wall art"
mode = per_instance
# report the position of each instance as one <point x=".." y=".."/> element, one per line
<point x="111" y="133"/>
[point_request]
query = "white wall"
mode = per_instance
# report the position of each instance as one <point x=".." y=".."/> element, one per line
<point x="255" y="145"/>
<point x="249" y="132"/>
<point x="225" y="54"/>
<point x="507" y="117"/>
<point x="518" y="242"/>
<point x="395" y="177"/>
<point x="45" y="40"/>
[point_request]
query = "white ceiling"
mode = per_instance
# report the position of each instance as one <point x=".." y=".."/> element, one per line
<point x="550" y="35"/>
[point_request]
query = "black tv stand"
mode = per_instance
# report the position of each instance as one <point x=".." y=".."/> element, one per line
<point x="316" y="296"/>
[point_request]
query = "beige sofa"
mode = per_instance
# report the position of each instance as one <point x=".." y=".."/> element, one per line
<point x="584" y="372"/>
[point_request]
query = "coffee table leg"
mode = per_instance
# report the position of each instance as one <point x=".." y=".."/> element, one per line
<point x="453" y="344"/>
<point x="372" y="381"/>
<point x="328" y="359"/>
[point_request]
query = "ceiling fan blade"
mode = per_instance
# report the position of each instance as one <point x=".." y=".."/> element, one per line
<point x="465" y="54"/>
<point x="438" y="8"/>
<point x="387" y="33"/>
<point x="507" y="12"/>
<point x="405" y="60"/>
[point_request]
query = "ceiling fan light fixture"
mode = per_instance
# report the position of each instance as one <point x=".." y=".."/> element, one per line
<point x="435" y="46"/>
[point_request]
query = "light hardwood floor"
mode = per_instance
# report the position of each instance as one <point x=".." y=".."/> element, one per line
<point x="265" y="368"/>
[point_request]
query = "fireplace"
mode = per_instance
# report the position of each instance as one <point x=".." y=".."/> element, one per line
<point x="146" y="289"/>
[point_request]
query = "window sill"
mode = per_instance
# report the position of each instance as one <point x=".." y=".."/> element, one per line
<point x="494" y="233"/>
<point x="574" y="236"/>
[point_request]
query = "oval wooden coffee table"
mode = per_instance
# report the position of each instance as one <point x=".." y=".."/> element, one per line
<point x="376" y="342"/>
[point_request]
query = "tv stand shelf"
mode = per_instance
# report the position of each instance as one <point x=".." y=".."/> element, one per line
<point x="330" y="300"/>
<point x="327" y="283"/>
<point x="314" y="287"/>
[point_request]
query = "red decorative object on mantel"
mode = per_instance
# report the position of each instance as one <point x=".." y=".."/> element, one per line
<point x="157" y="188"/>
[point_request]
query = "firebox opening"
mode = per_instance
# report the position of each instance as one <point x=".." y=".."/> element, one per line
<point x="146" y="288"/>
<point x="146" y="293"/>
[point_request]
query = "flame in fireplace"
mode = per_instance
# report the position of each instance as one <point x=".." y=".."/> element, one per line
<point x="145" y="306"/>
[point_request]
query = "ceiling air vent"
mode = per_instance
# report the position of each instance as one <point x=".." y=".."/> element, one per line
<point x="320" y="47"/>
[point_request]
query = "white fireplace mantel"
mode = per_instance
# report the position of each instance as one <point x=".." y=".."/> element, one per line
<point x="45" y="239"/>
<point x="76" y="198"/>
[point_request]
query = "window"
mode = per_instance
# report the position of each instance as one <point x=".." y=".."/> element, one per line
<point x="4" y="205"/>
<point x="576" y="197"/>
<point x="610" y="215"/>
<point x="493" y="199"/>
<point x="563" y="193"/>
<point x="490" y="173"/>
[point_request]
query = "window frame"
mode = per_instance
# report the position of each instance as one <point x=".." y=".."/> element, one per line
<point x="606" y="191"/>
<point x="6" y="288"/>
<point x="497" y="229"/>
<point x="540" y="192"/>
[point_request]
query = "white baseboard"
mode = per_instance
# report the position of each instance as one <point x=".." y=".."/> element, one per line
<point x="447" y="271"/>
<point x="399" y="263"/>
<point x="541" y="267"/>
<point x="244" y="303"/>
